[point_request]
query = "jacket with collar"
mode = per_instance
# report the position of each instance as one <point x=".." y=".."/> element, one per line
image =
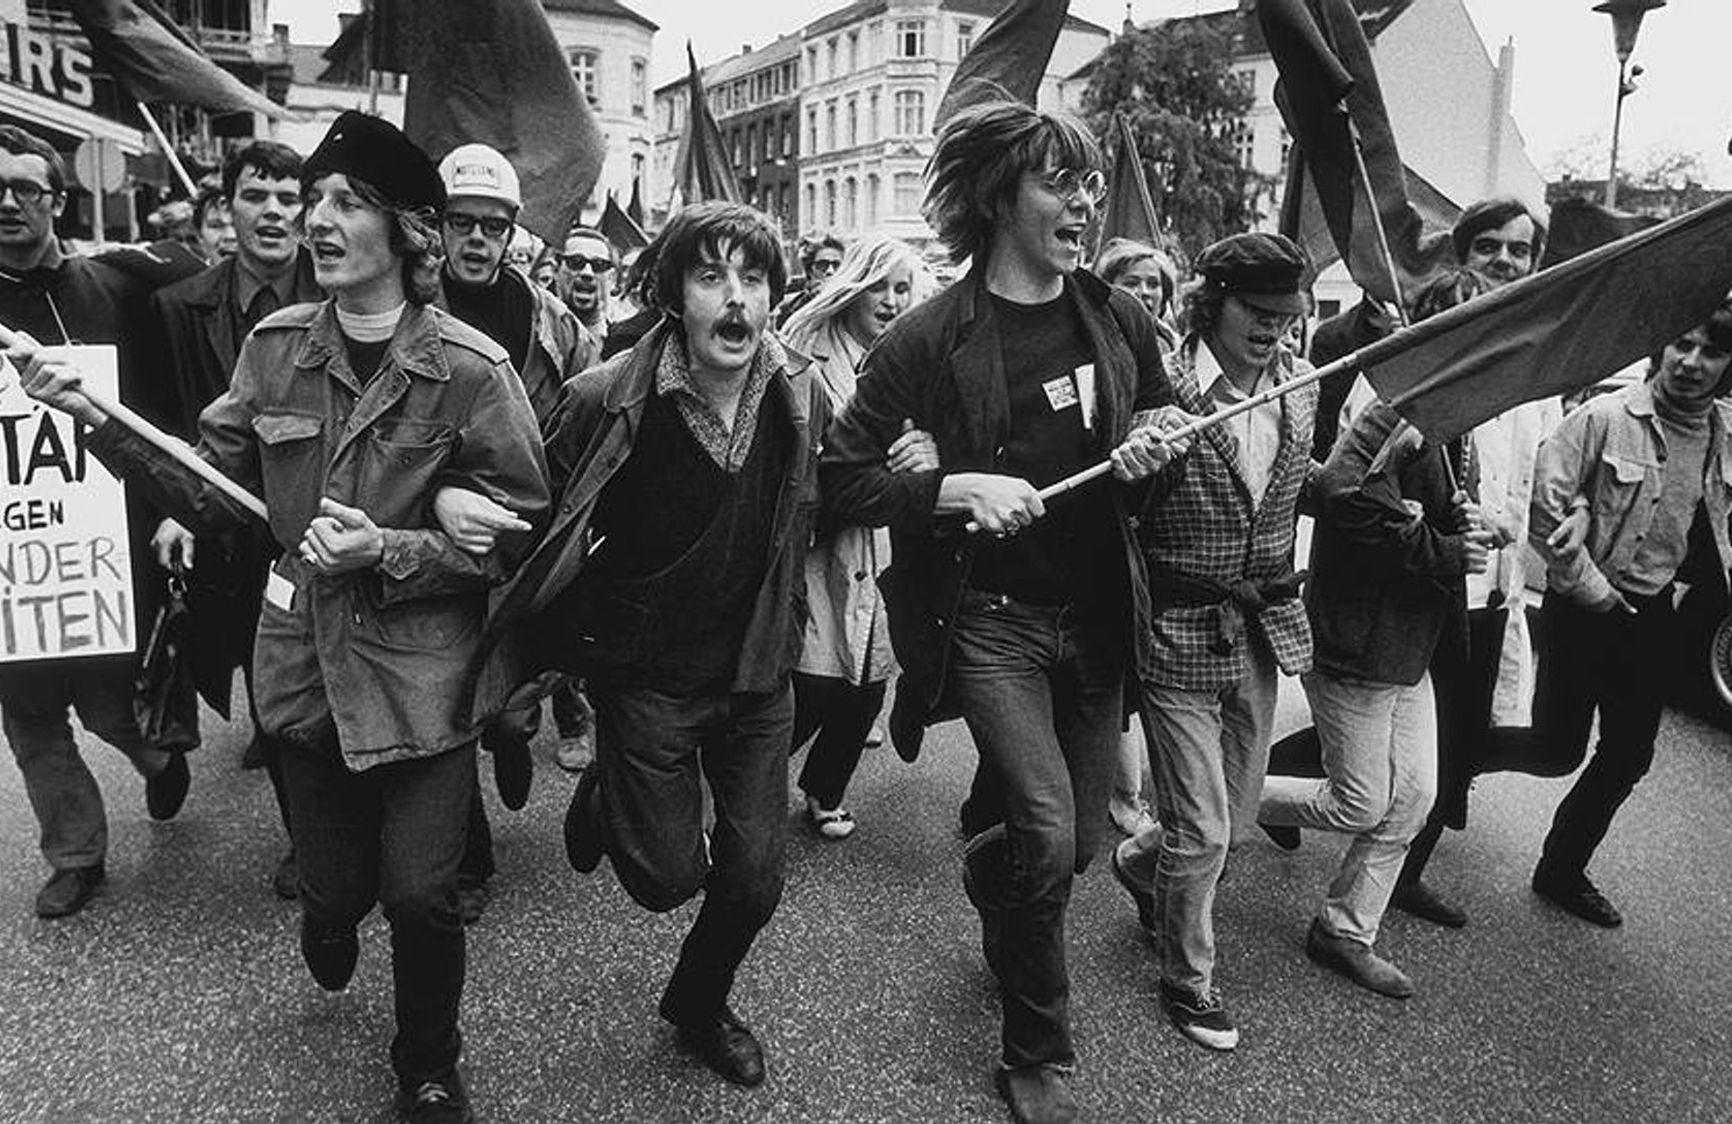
<point x="941" y="365"/>
<point x="1387" y="557"/>
<point x="384" y="655"/>
<point x="1202" y="523"/>
<point x="588" y="438"/>
<point x="559" y="346"/>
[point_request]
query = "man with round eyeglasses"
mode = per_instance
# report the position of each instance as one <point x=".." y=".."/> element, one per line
<point x="585" y="266"/>
<point x="1003" y="610"/>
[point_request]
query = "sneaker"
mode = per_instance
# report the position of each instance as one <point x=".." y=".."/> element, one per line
<point x="330" y="956"/>
<point x="1130" y="815"/>
<point x="576" y="753"/>
<point x="877" y="735"/>
<point x="436" y="1102"/>
<point x="68" y="891"/>
<point x="166" y="791"/>
<point x="1286" y="838"/>
<point x="1355" y="960"/>
<point x="1202" y="1019"/>
<point x="1423" y="902"/>
<point x="1037" y="1094"/>
<point x="1576" y="895"/>
<point x="831" y="823"/>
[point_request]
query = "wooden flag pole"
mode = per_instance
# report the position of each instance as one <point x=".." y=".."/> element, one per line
<point x="168" y="443"/>
<point x="168" y="151"/>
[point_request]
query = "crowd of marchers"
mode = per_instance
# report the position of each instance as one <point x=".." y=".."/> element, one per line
<point x="710" y="520"/>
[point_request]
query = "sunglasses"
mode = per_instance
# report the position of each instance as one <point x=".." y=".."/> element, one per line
<point x="27" y="192"/>
<point x="492" y="226"/>
<point x="578" y="261"/>
<point x="1069" y="184"/>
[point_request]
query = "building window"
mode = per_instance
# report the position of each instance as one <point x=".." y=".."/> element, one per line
<point x="905" y="187"/>
<point x="910" y="39"/>
<point x="812" y="63"/>
<point x="1286" y="145"/>
<point x="1247" y="79"/>
<point x="788" y="135"/>
<point x="812" y="130"/>
<point x="811" y="211"/>
<point x="830" y="54"/>
<point x="872" y="200"/>
<point x="853" y="120"/>
<point x="872" y="116"/>
<point x="637" y="170"/>
<point x="751" y="144"/>
<point x="639" y="86"/>
<point x="964" y="38"/>
<point x="830" y="204"/>
<point x="1243" y="142"/>
<point x="784" y="196"/>
<point x="851" y="204"/>
<point x="586" y="68"/>
<point x="736" y="147"/>
<point x="909" y="107"/>
<point x="830" y="127"/>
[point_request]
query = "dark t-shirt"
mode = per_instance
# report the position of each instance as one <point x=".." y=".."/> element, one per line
<point x="502" y="311"/>
<point x="1068" y="555"/>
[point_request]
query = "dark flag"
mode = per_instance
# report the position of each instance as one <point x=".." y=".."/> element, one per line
<point x="154" y="61"/>
<point x="701" y="166"/>
<point x="1130" y="209"/>
<point x="1328" y="94"/>
<point x="618" y="228"/>
<point x="634" y="209"/>
<point x="1009" y="59"/>
<point x="491" y="71"/>
<point x="1558" y="330"/>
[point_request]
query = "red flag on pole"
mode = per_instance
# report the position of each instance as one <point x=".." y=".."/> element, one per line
<point x="619" y="229"/>
<point x="1009" y="59"/>
<point x="154" y="61"/>
<point x="1330" y="99"/>
<point x="701" y="166"/>
<point x="1130" y="209"/>
<point x="1558" y="330"/>
<point x="491" y="71"/>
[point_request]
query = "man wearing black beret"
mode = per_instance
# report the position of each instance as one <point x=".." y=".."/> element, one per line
<point x="347" y="415"/>
<point x="1217" y="535"/>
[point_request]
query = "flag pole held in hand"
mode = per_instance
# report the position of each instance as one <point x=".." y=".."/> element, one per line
<point x="168" y="443"/>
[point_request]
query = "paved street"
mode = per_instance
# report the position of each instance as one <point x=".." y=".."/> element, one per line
<point x="179" y="994"/>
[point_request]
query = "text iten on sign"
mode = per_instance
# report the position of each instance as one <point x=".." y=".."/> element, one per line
<point x="65" y="570"/>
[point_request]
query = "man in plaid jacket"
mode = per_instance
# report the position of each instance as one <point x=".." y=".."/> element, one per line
<point x="1217" y="533"/>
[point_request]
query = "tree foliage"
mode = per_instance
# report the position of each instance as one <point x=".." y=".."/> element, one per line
<point x="1175" y="83"/>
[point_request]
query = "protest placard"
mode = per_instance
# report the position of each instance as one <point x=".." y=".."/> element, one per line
<point x="65" y="567"/>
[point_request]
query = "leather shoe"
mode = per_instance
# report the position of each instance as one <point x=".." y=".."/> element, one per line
<point x="1422" y="901"/>
<point x="1574" y="894"/>
<point x="1140" y="894"/>
<point x="513" y="768"/>
<point x="1286" y="838"/>
<point x="1037" y="1094"/>
<point x="166" y="791"/>
<point x="907" y="725"/>
<point x="68" y="891"/>
<point x="330" y="956"/>
<point x="444" y="1101"/>
<point x="286" y="879"/>
<point x="1355" y="960"/>
<point x="583" y="846"/>
<point x="726" y="1045"/>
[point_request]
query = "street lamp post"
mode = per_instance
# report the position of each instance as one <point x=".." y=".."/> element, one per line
<point x="1626" y="22"/>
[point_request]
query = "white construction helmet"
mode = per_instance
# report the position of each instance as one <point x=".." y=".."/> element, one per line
<point x="479" y="171"/>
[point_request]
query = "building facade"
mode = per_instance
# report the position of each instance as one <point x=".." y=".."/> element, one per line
<point x="754" y="97"/>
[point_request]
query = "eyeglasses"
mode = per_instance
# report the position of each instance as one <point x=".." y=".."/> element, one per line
<point x="578" y="261"/>
<point x="1070" y="185"/>
<point x="27" y="192"/>
<point x="824" y="267"/>
<point x="492" y="226"/>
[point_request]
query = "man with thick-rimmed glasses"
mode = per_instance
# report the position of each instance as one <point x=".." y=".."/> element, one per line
<point x="585" y="267"/>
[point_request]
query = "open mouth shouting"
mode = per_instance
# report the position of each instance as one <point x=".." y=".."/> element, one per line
<point x="325" y="251"/>
<point x="734" y="332"/>
<point x="1070" y="236"/>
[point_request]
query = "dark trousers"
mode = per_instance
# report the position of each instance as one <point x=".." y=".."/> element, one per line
<point x="1463" y="684"/>
<point x="653" y="753"/>
<point x="392" y="835"/>
<point x="1041" y="690"/>
<point x="1614" y="663"/>
<point x="841" y="714"/>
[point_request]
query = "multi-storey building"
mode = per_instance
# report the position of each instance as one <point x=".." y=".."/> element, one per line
<point x="872" y="77"/>
<point x="754" y="97"/>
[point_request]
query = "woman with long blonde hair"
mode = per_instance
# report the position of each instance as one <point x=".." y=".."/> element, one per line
<point x="846" y="663"/>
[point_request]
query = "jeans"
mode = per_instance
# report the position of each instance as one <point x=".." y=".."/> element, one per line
<point x="392" y="834"/>
<point x="1208" y="751"/>
<point x="1615" y="663"/>
<point x="653" y="753"/>
<point x="1379" y="744"/>
<point x="841" y="713"/>
<point x="63" y="793"/>
<point x="1041" y="689"/>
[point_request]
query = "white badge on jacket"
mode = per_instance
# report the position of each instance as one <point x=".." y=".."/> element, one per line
<point x="1074" y="389"/>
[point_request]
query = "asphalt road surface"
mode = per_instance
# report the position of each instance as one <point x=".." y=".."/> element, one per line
<point x="179" y="995"/>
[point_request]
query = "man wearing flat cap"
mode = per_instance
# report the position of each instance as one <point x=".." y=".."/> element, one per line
<point x="347" y="415"/>
<point x="1217" y="535"/>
